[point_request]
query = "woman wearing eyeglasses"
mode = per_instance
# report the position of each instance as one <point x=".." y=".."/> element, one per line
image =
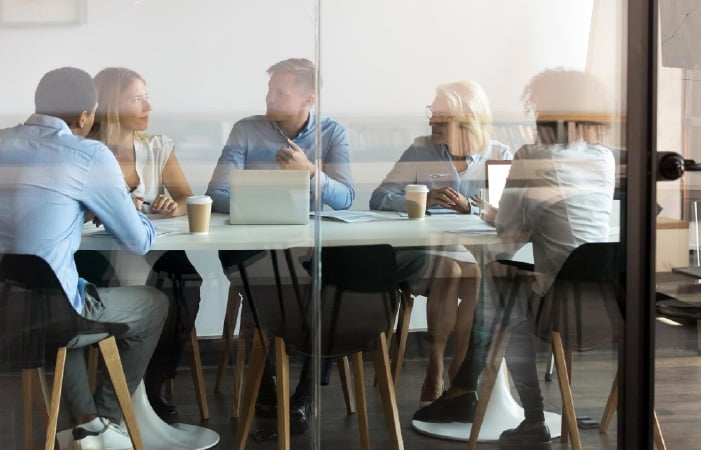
<point x="158" y="186"/>
<point x="451" y="163"/>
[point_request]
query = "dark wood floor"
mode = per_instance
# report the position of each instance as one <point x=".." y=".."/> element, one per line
<point x="678" y="402"/>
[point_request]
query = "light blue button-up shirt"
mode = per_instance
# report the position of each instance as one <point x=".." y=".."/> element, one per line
<point x="49" y="179"/>
<point x="253" y="143"/>
<point x="430" y="164"/>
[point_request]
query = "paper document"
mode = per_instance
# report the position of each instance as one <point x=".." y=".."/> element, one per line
<point x="475" y="228"/>
<point x="356" y="216"/>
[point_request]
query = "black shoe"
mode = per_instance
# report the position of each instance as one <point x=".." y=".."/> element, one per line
<point x="300" y="413"/>
<point x="531" y="435"/>
<point x="164" y="410"/>
<point x="446" y="410"/>
<point x="266" y="403"/>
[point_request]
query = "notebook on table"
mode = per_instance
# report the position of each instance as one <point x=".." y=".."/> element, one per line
<point x="496" y="173"/>
<point x="269" y="197"/>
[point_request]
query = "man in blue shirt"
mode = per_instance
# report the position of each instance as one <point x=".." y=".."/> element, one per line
<point x="53" y="179"/>
<point x="284" y="138"/>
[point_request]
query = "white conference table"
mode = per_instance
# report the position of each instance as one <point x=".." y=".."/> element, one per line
<point x="444" y="229"/>
<point x="397" y="231"/>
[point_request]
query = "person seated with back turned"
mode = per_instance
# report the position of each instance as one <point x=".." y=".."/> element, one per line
<point x="450" y="163"/>
<point x="283" y="139"/>
<point x="158" y="186"/>
<point x="558" y="195"/>
<point x="59" y="179"/>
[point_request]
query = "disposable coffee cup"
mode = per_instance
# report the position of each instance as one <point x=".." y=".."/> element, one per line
<point x="199" y="210"/>
<point x="416" y="200"/>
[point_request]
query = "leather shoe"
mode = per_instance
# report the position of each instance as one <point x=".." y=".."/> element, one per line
<point x="164" y="410"/>
<point x="446" y="410"/>
<point x="531" y="435"/>
<point x="300" y="412"/>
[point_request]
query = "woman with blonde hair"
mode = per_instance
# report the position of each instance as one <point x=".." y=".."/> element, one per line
<point x="158" y="186"/>
<point x="451" y="163"/>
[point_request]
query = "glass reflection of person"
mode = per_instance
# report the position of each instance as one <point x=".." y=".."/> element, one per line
<point x="451" y="163"/>
<point x="158" y="186"/>
<point x="284" y="138"/>
<point x="559" y="195"/>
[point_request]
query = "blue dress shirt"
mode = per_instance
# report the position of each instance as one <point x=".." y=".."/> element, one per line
<point x="430" y="164"/>
<point x="50" y="178"/>
<point x="253" y="143"/>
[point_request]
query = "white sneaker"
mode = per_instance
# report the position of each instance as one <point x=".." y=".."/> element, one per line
<point x="110" y="437"/>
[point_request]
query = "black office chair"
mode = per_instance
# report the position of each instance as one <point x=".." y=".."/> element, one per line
<point x="354" y="320"/>
<point x="35" y="313"/>
<point x="174" y="268"/>
<point x="581" y="310"/>
<point x="240" y="260"/>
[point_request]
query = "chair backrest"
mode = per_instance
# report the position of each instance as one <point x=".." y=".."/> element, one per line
<point x="585" y="300"/>
<point x="34" y="311"/>
<point x="358" y="298"/>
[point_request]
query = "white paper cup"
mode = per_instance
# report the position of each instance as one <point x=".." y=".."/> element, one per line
<point x="199" y="210"/>
<point x="416" y="200"/>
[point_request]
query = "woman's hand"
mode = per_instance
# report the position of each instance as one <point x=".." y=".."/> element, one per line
<point x="164" y="205"/>
<point x="448" y="198"/>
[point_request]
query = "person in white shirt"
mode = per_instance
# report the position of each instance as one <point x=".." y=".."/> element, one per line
<point x="158" y="186"/>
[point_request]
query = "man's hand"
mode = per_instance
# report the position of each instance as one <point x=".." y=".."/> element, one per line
<point x="293" y="157"/>
<point x="489" y="211"/>
<point x="448" y="198"/>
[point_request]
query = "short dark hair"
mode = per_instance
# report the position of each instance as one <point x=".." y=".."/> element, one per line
<point x="303" y="70"/>
<point x="65" y="93"/>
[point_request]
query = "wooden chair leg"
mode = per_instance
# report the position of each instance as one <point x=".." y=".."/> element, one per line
<point x="564" y="381"/>
<point x="387" y="393"/>
<point x="198" y="376"/>
<point x="611" y="405"/>
<point x="344" y="373"/>
<point x="93" y="358"/>
<point x="256" y="364"/>
<point x="407" y="305"/>
<point x="110" y="354"/>
<point x="564" y="425"/>
<point x="489" y="378"/>
<point x="282" y="372"/>
<point x="27" y="406"/>
<point x="657" y="433"/>
<point x="50" y="440"/>
<point x="361" y="400"/>
<point x="41" y="394"/>
<point x="233" y="305"/>
<point x="239" y="371"/>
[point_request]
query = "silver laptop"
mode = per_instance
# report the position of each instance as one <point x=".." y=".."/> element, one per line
<point x="269" y="197"/>
<point x="496" y="173"/>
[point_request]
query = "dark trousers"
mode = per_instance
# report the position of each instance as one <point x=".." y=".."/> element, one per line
<point x="511" y="310"/>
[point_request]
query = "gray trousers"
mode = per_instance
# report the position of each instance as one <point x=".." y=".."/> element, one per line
<point x="142" y="308"/>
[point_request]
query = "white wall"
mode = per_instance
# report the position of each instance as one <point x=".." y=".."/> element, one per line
<point x="204" y="63"/>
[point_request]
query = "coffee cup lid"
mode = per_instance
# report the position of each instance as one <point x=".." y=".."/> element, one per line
<point x="199" y="200"/>
<point x="416" y="188"/>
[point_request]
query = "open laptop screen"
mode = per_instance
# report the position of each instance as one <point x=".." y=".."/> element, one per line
<point x="496" y="173"/>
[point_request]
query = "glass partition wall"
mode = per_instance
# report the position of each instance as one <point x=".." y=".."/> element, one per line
<point x="514" y="122"/>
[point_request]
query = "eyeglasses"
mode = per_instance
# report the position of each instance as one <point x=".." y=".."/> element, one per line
<point x="438" y="116"/>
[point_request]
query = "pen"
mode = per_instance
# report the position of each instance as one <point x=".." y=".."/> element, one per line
<point x="146" y="203"/>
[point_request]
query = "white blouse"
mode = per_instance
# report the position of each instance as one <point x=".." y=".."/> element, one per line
<point x="151" y="152"/>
